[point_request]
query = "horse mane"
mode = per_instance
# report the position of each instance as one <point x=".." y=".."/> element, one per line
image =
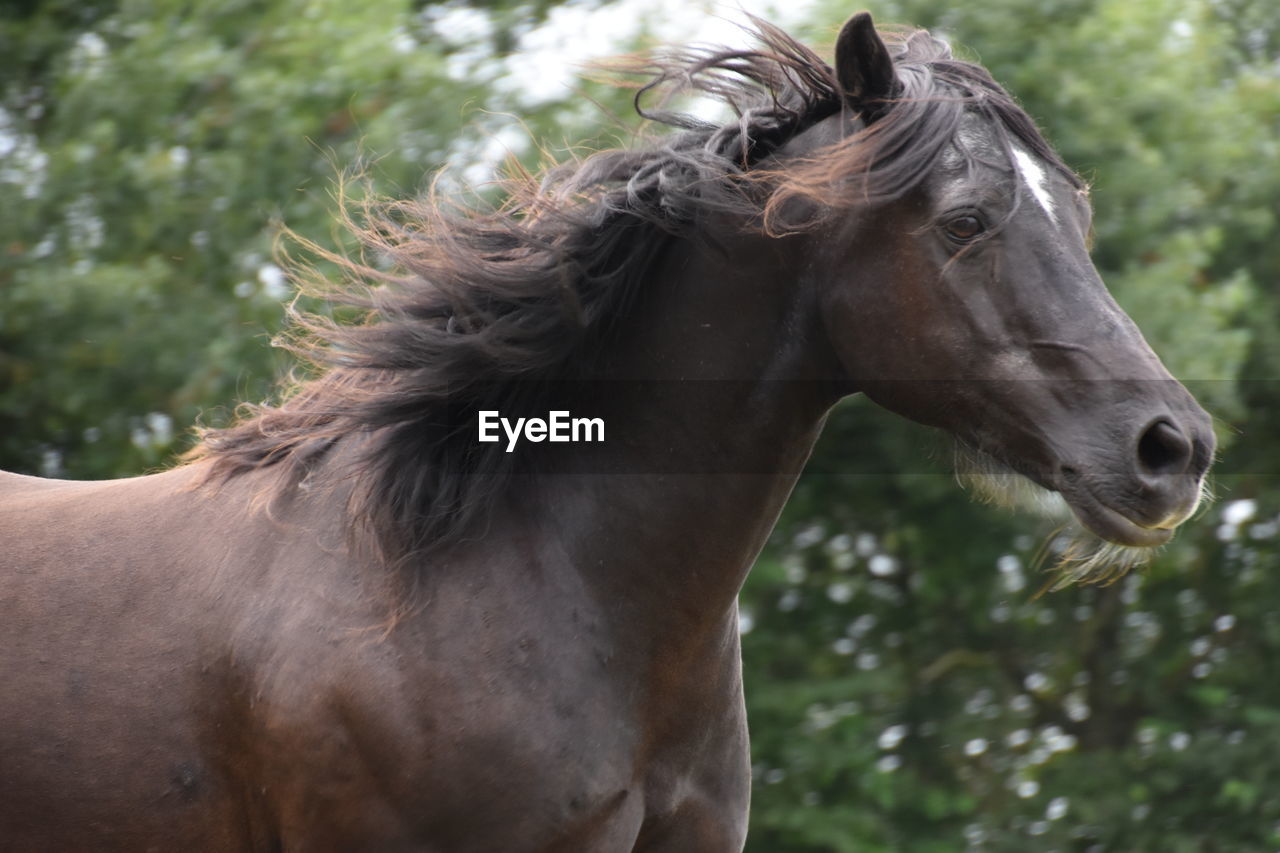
<point x="474" y="309"/>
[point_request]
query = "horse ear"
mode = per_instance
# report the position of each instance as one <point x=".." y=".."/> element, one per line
<point x="865" y="68"/>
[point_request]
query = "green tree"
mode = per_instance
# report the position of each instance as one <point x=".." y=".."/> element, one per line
<point x="150" y="151"/>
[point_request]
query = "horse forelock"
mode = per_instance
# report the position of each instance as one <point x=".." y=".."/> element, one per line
<point x="463" y="303"/>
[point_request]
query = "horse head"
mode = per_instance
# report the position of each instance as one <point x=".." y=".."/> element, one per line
<point x="969" y="302"/>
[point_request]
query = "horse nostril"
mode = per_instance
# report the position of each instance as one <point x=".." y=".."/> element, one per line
<point x="1163" y="449"/>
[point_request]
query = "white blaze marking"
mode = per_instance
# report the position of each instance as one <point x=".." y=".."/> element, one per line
<point x="1036" y="180"/>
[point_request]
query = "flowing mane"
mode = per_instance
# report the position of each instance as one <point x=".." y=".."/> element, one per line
<point x="482" y="308"/>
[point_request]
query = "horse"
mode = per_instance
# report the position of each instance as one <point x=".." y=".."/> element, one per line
<point x="352" y="620"/>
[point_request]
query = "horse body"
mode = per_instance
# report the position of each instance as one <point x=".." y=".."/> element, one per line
<point x="241" y="681"/>
<point x="243" y="653"/>
<point x="208" y="689"/>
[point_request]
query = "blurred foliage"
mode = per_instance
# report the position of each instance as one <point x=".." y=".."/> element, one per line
<point x="149" y="150"/>
<point x="907" y="688"/>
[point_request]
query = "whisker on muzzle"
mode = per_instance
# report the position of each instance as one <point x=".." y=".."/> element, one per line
<point x="1085" y="559"/>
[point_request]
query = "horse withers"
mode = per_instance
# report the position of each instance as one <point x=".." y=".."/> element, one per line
<point x="348" y="624"/>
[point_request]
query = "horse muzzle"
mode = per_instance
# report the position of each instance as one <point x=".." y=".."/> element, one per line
<point x="1140" y="500"/>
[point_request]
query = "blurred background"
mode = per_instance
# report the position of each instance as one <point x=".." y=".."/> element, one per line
<point x="907" y="687"/>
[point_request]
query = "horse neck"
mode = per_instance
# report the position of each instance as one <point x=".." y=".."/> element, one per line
<point x="713" y="411"/>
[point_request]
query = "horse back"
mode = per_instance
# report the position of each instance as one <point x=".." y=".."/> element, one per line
<point x="108" y="601"/>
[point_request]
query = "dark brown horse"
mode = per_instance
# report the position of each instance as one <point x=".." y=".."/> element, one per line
<point x="349" y="624"/>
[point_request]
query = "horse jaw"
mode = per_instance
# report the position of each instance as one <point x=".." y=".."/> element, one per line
<point x="1083" y="557"/>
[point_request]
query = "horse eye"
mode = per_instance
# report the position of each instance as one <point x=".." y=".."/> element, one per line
<point x="964" y="228"/>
